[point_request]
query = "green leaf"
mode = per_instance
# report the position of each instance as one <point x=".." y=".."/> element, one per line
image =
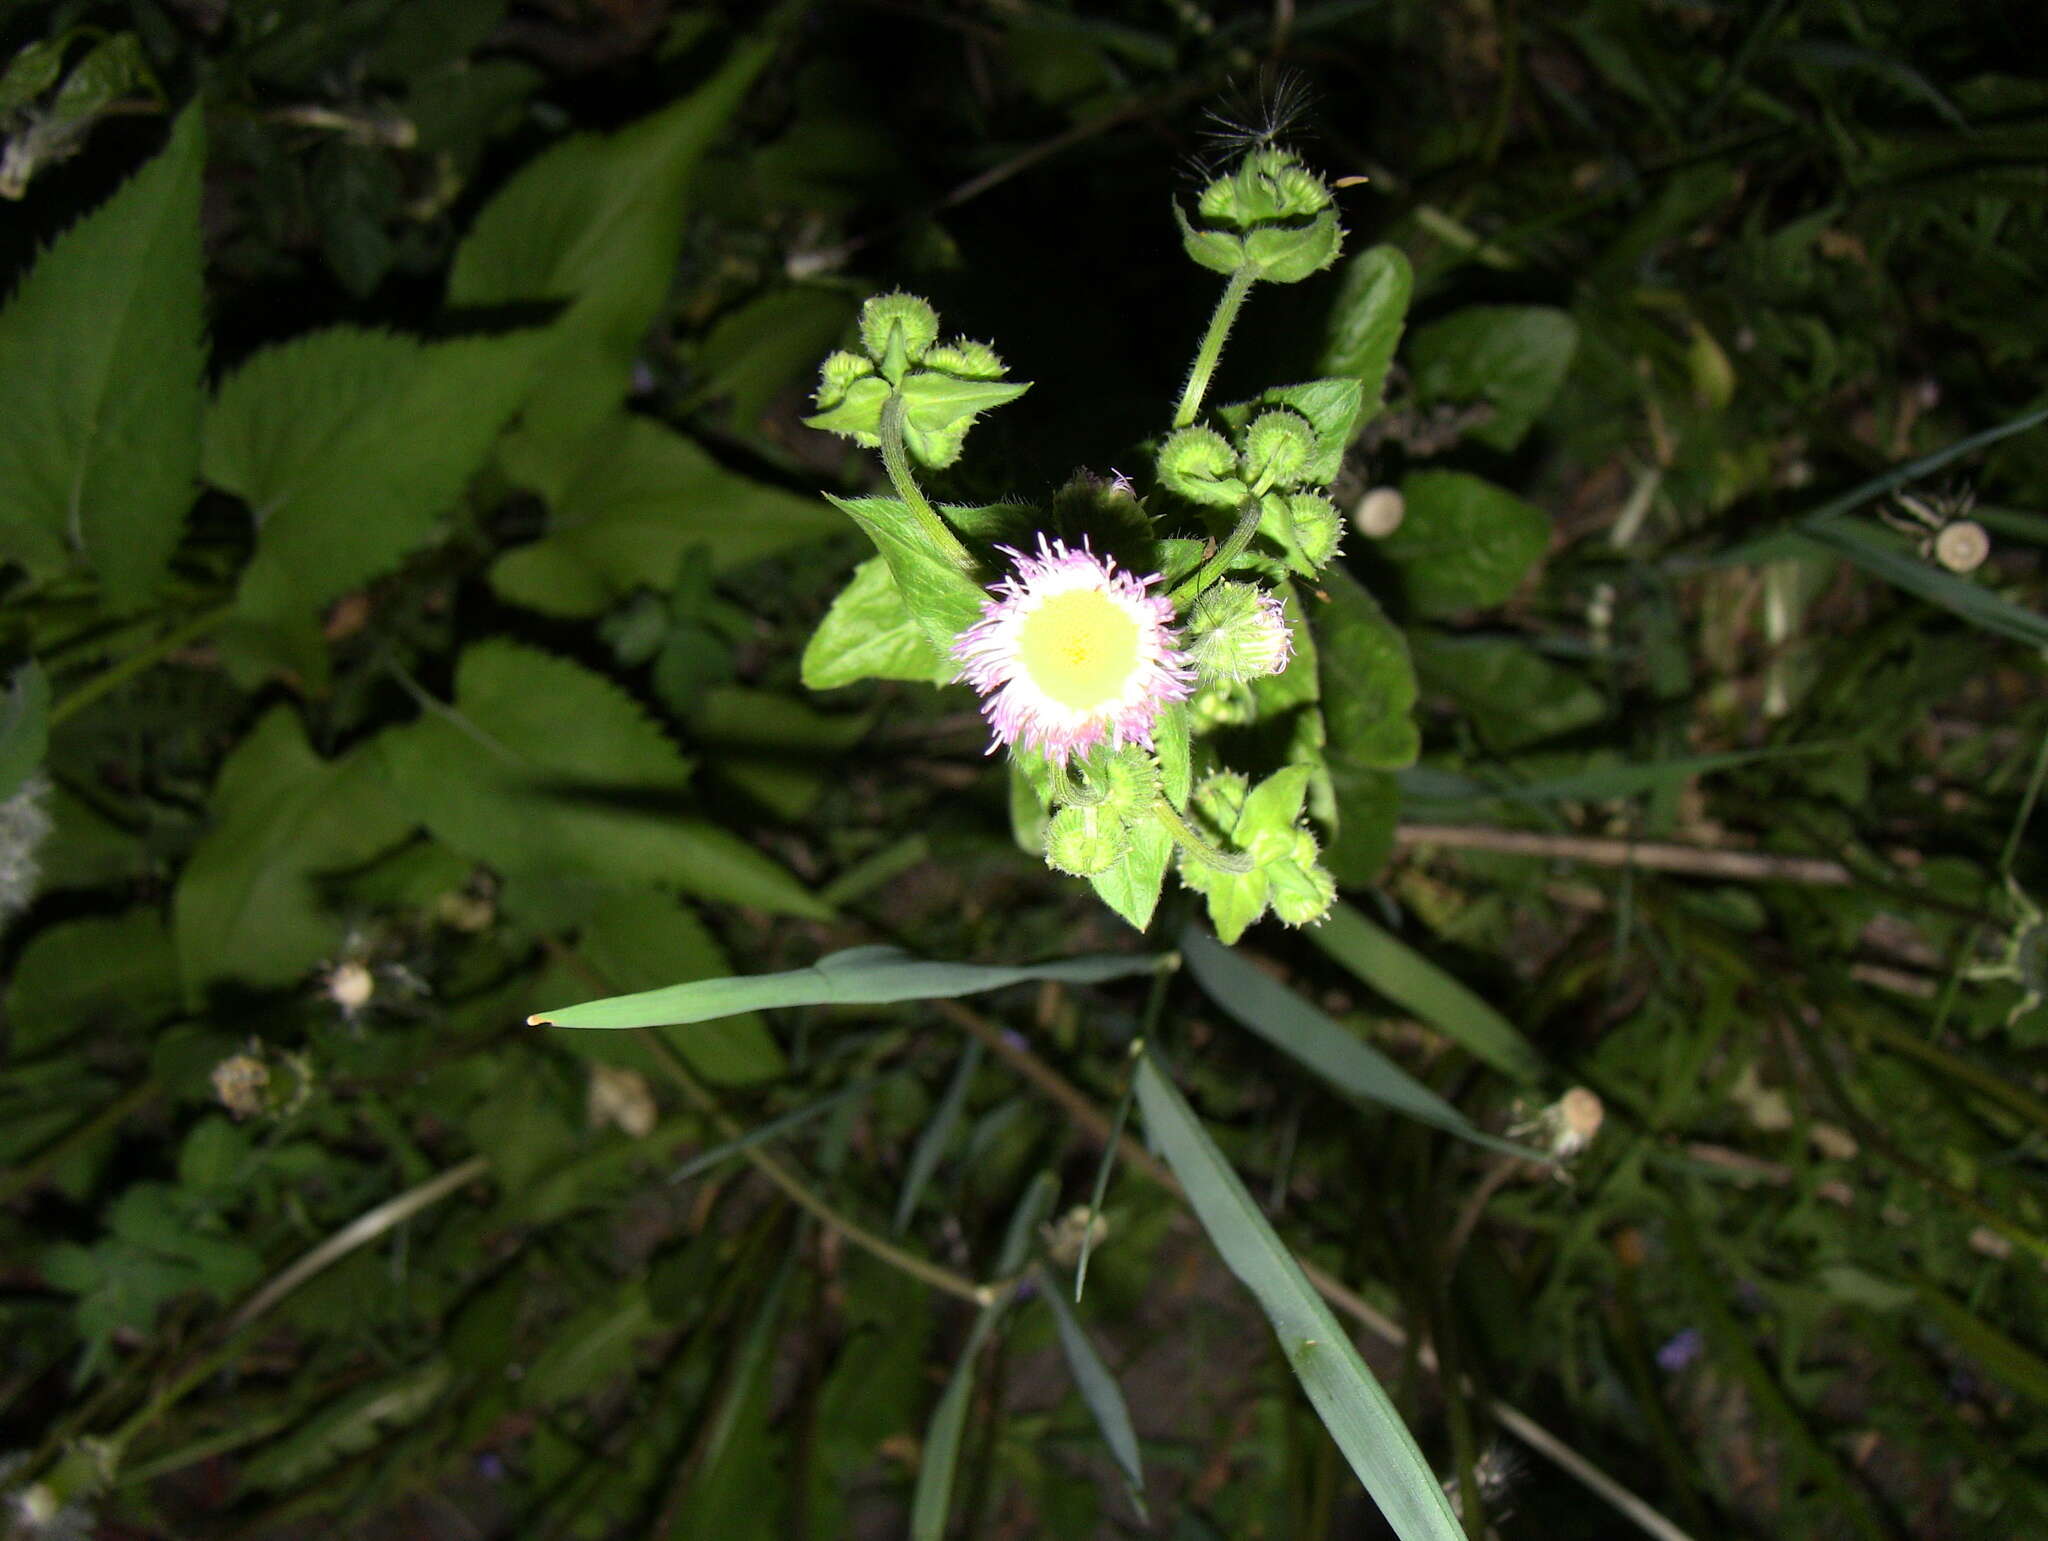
<point x="1132" y="886"/>
<point x="1367" y="678"/>
<point x="1368" y="810"/>
<point x="542" y="767"/>
<point x="636" y="940"/>
<point x="1350" y="1402"/>
<point x="1515" y="695"/>
<point x="754" y="352"/>
<point x="859" y="976"/>
<point x="943" y="600"/>
<point x="1099" y="1391"/>
<point x="101" y="350"/>
<point x="644" y="496"/>
<point x="24" y="727"/>
<point x="114" y="971"/>
<point x="869" y="634"/>
<point x="1464" y="542"/>
<point x="1173" y="744"/>
<point x="248" y="904"/>
<point x="778" y="750"/>
<point x="1331" y="407"/>
<point x="349" y="445"/>
<point x="348" y="1427"/>
<point x="1408" y="979"/>
<point x="597" y="222"/>
<point x="938" y="410"/>
<point x="1304" y="1032"/>
<point x="1512" y="356"/>
<point x="1366" y="320"/>
<point x="592" y="1346"/>
<point x="932" y="1500"/>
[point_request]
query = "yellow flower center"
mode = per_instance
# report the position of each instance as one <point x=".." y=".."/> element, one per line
<point x="1079" y="648"/>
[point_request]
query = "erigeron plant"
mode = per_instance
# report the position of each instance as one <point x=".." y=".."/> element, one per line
<point x="1121" y="633"/>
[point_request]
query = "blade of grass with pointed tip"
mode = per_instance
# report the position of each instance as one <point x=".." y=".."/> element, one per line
<point x="1972" y="601"/>
<point x="938" y="1134"/>
<point x="1099" y="1390"/>
<point x="1301" y="1030"/>
<point x="859" y="976"/>
<point x="1345" y="1395"/>
<point x="1406" y="978"/>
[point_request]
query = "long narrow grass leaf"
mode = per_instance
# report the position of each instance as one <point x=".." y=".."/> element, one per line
<point x="932" y="1500"/>
<point x="938" y="1134"/>
<point x="859" y="976"/>
<point x="1099" y="1390"/>
<point x="1103" y="1168"/>
<point x="1972" y="601"/>
<point x="1345" y="1395"/>
<point x="773" y="1128"/>
<point x="1305" y="1033"/>
<point x="1400" y="973"/>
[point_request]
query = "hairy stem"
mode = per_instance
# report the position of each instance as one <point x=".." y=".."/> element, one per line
<point x="897" y="461"/>
<point x="1211" y="350"/>
<point x="1190" y="840"/>
<point x="1217" y="565"/>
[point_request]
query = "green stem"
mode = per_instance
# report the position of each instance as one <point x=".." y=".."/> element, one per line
<point x="1186" y="837"/>
<point x="897" y="462"/>
<point x="1211" y="350"/>
<point x="1069" y="793"/>
<point x="1231" y="549"/>
<point x="137" y="663"/>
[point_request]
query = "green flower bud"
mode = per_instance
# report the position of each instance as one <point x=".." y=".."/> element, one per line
<point x="887" y="316"/>
<point x="1277" y="447"/>
<point x="1086" y="840"/>
<point x="1302" y="891"/>
<point x="966" y="360"/>
<point x="838" y="375"/>
<point x="1218" y="800"/>
<point x="1318" y="527"/>
<point x="1236" y="632"/>
<point x="1271" y="213"/>
<point x="1199" y="464"/>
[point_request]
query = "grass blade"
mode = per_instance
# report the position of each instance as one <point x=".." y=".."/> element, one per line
<point x="859" y="976"/>
<point x="1099" y="1390"/>
<point x="1346" y="1397"/>
<point x="933" y="1498"/>
<point x="1406" y="978"/>
<point x="938" y="1134"/>
<point x="1304" y="1032"/>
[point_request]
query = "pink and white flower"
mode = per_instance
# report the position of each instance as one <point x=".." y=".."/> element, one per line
<point x="1070" y="653"/>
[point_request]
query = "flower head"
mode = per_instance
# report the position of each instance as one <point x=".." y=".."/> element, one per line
<point x="1070" y="653"/>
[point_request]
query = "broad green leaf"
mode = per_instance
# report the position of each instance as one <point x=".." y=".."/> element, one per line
<point x="859" y="976"/>
<point x="636" y="940"/>
<point x="24" y="727"/>
<point x="114" y="971"/>
<point x="1366" y="320"/>
<point x="937" y="1134"/>
<point x="755" y="352"/>
<point x="1368" y="810"/>
<point x="778" y="750"/>
<point x="542" y="767"/>
<point x="1464" y="542"/>
<point x="1408" y="979"/>
<point x="1350" y="1402"/>
<point x="348" y="1427"/>
<point x="1515" y="695"/>
<point x="101" y="349"/>
<point x="943" y="600"/>
<point x="1514" y="357"/>
<point x="869" y="634"/>
<point x="1303" y="1031"/>
<point x="1099" y="1391"/>
<point x="595" y="1344"/>
<point x="645" y="495"/>
<point x="248" y="905"/>
<point x="1132" y="886"/>
<point x="595" y="223"/>
<point x="1368" y="681"/>
<point x="349" y="446"/>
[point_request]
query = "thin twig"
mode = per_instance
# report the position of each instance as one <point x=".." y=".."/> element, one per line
<point x="1657" y="856"/>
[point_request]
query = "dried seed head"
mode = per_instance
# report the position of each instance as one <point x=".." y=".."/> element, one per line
<point x="1961" y="547"/>
<point x="1379" y="513"/>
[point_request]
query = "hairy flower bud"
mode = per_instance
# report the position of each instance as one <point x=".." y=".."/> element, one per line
<point x="1236" y="632"/>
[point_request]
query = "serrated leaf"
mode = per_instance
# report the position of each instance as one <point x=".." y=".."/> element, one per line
<point x="943" y="600"/>
<point x="596" y="221"/>
<point x="869" y="634"/>
<point x="645" y="495"/>
<point x="248" y="904"/>
<point x="116" y="971"/>
<point x="1464" y="542"/>
<point x="101" y="350"/>
<point x="349" y="445"/>
<point x="857" y="976"/>
<point x="1514" y="357"/>
<point x="1350" y="1402"/>
<point x="545" y="768"/>
<point x="1366" y="320"/>
<point x="1132" y="886"/>
<point x="1368" y="680"/>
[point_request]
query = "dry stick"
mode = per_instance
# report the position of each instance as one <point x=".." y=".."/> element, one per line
<point x="1659" y="856"/>
<point x="1093" y="1122"/>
